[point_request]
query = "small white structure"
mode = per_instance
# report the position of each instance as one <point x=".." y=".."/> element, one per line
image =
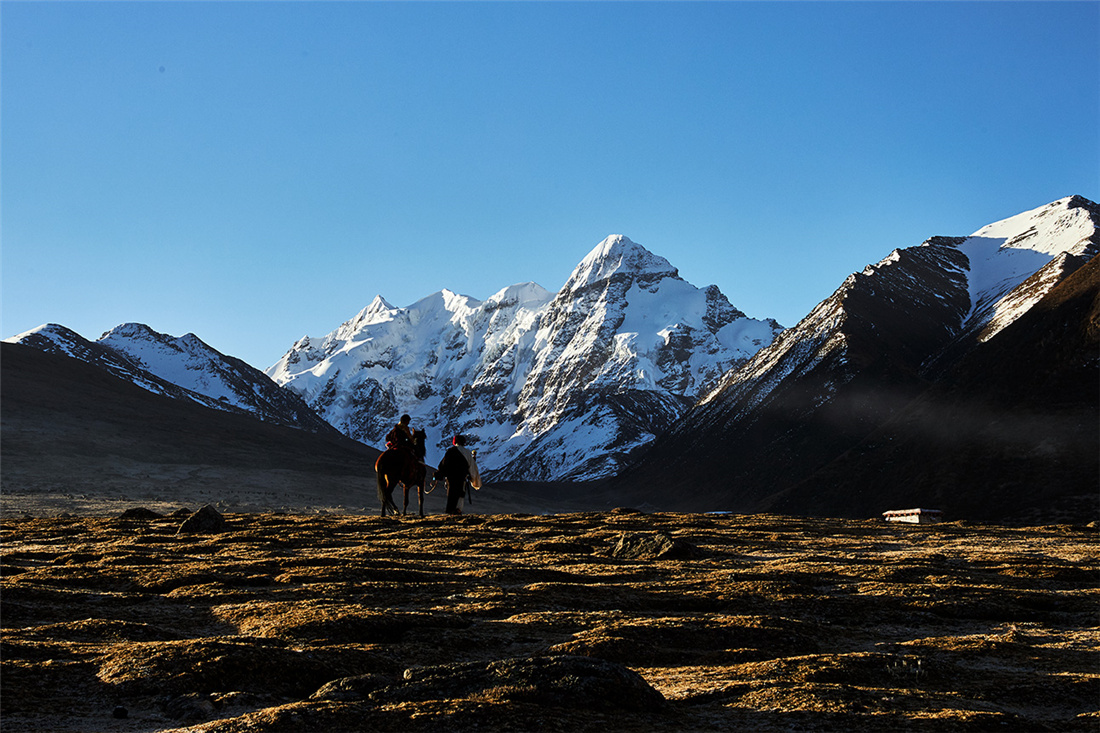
<point x="913" y="516"/>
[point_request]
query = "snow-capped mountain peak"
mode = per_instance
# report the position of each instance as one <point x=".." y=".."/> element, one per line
<point x="185" y="361"/>
<point x="618" y="255"/>
<point x="537" y="380"/>
<point x="1050" y="229"/>
<point x="379" y="309"/>
<point x="1004" y="254"/>
<point x="141" y="342"/>
<point x="132" y="330"/>
<point x="521" y="294"/>
<point x="53" y="338"/>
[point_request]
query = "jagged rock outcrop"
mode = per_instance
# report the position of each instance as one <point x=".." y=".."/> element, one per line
<point x="660" y="545"/>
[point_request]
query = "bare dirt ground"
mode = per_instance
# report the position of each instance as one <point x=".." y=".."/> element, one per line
<point x="165" y="488"/>
<point x="595" y="621"/>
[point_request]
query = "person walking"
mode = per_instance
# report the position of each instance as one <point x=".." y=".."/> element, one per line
<point x="458" y="466"/>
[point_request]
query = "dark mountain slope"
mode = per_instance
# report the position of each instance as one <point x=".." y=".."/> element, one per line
<point x="66" y="424"/>
<point x="222" y="377"/>
<point x="1012" y="431"/>
<point x="913" y="322"/>
<point x="819" y="389"/>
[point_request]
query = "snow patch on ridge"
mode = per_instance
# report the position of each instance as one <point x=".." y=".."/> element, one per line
<point x="185" y="361"/>
<point x="63" y="340"/>
<point x="1004" y="254"/>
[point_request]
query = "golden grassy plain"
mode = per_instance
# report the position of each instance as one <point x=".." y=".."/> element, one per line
<point x="592" y="621"/>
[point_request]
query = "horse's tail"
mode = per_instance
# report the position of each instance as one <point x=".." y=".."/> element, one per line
<point x="382" y="471"/>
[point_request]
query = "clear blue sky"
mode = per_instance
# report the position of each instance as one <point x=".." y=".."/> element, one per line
<point x="254" y="172"/>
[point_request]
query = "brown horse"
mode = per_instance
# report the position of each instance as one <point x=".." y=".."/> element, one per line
<point x="400" y="466"/>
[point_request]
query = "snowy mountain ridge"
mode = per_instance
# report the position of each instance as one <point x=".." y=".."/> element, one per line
<point x="1004" y="254"/>
<point x="979" y="281"/>
<point x="550" y="386"/>
<point x="182" y="368"/>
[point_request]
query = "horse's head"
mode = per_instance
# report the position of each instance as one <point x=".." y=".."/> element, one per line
<point x="420" y="438"/>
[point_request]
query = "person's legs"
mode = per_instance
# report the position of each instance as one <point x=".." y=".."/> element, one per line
<point x="453" y="495"/>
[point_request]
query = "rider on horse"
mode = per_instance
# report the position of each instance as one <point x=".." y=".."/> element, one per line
<point x="401" y="437"/>
<point x="402" y="462"/>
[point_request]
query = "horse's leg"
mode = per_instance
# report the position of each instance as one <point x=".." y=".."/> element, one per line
<point x="385" y="493"/>
<point x="405" y="486"/>
<point x="389" y="498"/>
<point x="382" y="482"/>
<point x="421" y="479"/>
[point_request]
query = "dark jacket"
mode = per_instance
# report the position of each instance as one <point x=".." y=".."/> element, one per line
<point x="399" y="437"/>
<point x="454" y="466"/>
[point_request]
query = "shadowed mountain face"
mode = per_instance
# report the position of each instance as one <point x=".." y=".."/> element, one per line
<point x="961" y="374"/>
<point x="69" y="426"/>
<point x="854" y="359"/>
<point x="1011" y="431"/>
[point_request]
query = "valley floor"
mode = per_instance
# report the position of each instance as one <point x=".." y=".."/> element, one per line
<point x="165" y="488"/>
<point x="594" y="621"/>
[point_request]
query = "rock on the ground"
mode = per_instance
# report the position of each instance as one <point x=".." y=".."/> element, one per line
<point x="207" y="519"/>
<point x="556" y="681"/>
<point x="651" y="546"/>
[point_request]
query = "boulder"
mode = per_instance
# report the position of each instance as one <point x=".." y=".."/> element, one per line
<point x="651" y="546"/>
<point x="207" y="519"/>
<point x="140" y="513"/>
<point x="553" y="681"/>
<point x="192" y="706"/>
<point x="358" y="687"/>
